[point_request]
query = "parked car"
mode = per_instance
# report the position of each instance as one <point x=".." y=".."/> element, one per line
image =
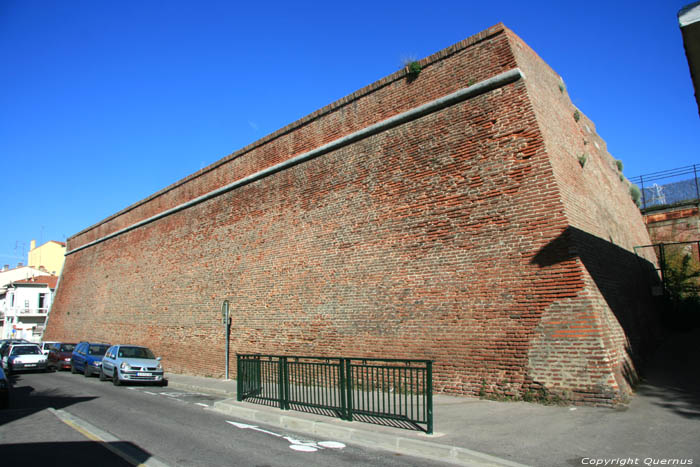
<point x="23" y="357"/>
<point x="4" y="390"/>
<point x="125" y="363"/>
<point x="59" y="356"/>
<point x="87" y="358"/>
<point x="5" y="343"/>
<point x="46" y="346"/>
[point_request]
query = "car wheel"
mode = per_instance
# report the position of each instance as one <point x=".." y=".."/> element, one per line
<point x="72" y="368"/>
<point x="115" y="377"/>
<point x="102" y="375"/>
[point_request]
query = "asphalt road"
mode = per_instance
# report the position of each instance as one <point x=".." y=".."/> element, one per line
<point x="151" y="424"/>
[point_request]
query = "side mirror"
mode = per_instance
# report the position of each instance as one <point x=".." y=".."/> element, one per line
<point x="159" y="358"/>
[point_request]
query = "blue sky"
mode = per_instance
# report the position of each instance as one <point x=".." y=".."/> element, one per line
<point x="103" y="103"/>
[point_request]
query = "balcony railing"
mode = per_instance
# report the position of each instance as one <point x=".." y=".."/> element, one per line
<point x="26" y="311"/>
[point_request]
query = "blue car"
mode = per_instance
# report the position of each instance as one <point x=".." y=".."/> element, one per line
<point x="125" y="363"/>
<point x="87" y="358"/>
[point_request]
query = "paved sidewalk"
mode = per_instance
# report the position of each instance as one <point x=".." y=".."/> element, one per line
<point x="662" y="422"/>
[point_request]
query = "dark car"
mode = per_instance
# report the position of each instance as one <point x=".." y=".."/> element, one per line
<point x="4" y="390"/>
<point x="60" y="354"/>
<point x="87" y="358"/>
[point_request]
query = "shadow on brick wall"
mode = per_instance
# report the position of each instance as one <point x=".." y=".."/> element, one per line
<point x="625" y="281"/>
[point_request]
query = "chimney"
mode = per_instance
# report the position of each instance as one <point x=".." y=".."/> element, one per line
<point x="19" y="265"/>
<point x="6" y="267"/>
<point x="32" y="245"/>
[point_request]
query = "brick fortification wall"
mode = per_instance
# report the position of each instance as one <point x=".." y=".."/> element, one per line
<point x="468" y="234"/>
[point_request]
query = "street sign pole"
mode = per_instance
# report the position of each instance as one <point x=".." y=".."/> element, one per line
<point x="226" y="319"/>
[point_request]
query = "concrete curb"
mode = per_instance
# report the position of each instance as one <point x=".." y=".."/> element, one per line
<point x="197" y="388"/>
<point x="364" y="437"/>
<point x="107" y="440"/>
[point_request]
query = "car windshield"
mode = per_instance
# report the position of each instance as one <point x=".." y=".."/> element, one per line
<point x="135" y="352"/>
<point x="97" y="350"/>
<point x="67" y="347"/>
<point x="26" y="350"/>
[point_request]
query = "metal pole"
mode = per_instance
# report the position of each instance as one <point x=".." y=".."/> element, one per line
<point x="227" y="326"/>
<point x="644" y="200"/>
<point x="697" y="192"/>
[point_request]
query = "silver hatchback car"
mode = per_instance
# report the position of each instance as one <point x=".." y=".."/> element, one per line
<point x="125" y="363"/>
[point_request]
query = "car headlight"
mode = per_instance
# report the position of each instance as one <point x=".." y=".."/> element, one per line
<point x="125" y="366"/>
<point x="96" y="363"/>
<point x="159" y="366"/>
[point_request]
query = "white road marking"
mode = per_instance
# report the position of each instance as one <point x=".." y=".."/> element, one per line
<point x="252" y="427"/>
<point x="295" y="444"/>
<point x="303" y="448"/>
<point x="203" y="405"/>
<point x="331" y="444"/>
<point x="178" y="394"/>
<point x="151" y="393"/>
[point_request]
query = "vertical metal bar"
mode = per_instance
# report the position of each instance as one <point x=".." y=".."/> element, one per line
<point x="317" y="394"/>
<point x="306" y="378"/>
<point x="697" y="191"/>
<point x="293" y="377"/>
<point x="239" y="378"/>
<point x="405" y="394"/>
<point x="429" y="392"/>
<point x="280" y="382"/>
<point x="384" y="393"/>
<point x="348" y="388"/>
<point x="343" y="389"/>
<point x="644" y="200"/>
<point x="424" y="415"/>
<point x="393" y="372"/>
<point x="370" y="395"/>
<point x="412" y="395"/>
<point x="365" y="384"/>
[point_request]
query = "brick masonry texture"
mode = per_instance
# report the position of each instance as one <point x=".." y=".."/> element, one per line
<point x="470" y="236"/>
<point x="677" y="224"/>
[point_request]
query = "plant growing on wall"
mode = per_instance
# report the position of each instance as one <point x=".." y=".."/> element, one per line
<point x="582" y="159"/>
<point x="577" y="115"/>
<point x="635" y="194"/>
<point x="681" y="273"/>
<point x="413" y="69"/>
<point x="618" y="163"/>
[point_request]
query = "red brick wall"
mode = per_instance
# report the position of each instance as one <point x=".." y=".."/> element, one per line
<point x="590" y="342"/>
<point x="451" y="237"/>
<point x="680" y="224"/>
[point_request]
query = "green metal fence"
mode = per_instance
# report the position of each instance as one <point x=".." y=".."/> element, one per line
<point x="349" y="388"/>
